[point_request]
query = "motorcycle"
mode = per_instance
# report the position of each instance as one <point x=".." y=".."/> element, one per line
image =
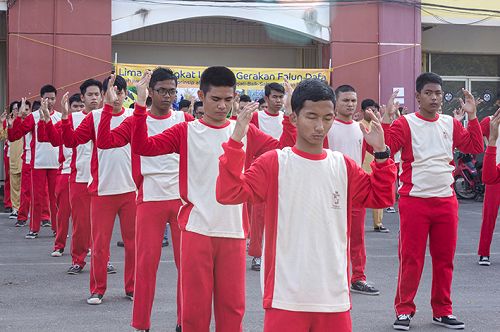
<point x="467" y="174"/>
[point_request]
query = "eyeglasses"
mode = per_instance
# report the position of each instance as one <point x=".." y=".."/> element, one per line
<point x="163" y="92"/>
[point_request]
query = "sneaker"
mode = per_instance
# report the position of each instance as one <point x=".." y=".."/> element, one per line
<point x="54" y="233"/>
<point x="402" y="322"/>
<point x="256" y="264"/>
<point x="20" y="223"/>
<point x="31" y="235"/>
<point x="7" y="210"/>
<point x="380" y="229"/>
<point x="130" y="296"/>
<point x="46" y="223"/>
<point x="111" y="269"/>
<point x="13" y="215"/>
<point x="74" y="269"/>
<point x="449" y="321"/>
<point x="362" y="287"/>
<point x="57" y="253"/>
<point x="165" y="243"/>
<point x="89" y="253"/>
<point x="390" y="209"/>
<point x="120" y="244"/>
<point x="94" y="299"/>
<point x="484" y="260"/>
<point x="178" y="328"/>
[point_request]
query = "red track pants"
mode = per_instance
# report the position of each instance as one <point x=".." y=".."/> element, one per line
<point x="357" y="245"/>
<point x="212" y="267"/>
<point x="257" y="215"/>
<point x="63" y="210"/>
<point x="152" y="218"/>
<point x="103" y="212"/>
<point x="80" y="218"/>
<point x="276" y="320"/>
<point x="25" y="199"/>
<point x="422" y="218"/>
<point x="490" y="213"/>
<point x="43" y="180"/>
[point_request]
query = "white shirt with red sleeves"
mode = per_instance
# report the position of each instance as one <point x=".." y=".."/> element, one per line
<point x="271" y="124"/>
<point x="427" y="152"/>
<point x="27" y="148"/>
<point x="161" y="173"/>
<point x="111" y="169"/>
<point x="65" y="154"/>
<point x="82" y="154"/>
<point x="347" y="138"/>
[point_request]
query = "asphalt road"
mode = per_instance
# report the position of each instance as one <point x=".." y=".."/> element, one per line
<point x="37" y="295"/>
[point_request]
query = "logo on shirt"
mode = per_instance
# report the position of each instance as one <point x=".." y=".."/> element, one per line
<point x="445" y="135"/>
<point x="336" y="200"/>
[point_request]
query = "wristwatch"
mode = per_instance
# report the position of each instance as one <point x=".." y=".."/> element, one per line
<point x="383" y="155"/>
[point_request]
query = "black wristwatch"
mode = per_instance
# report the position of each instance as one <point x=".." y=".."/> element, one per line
<point x="383" y="155"/>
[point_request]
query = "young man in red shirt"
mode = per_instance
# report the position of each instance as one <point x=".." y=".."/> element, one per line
<point x="309" y="192"/>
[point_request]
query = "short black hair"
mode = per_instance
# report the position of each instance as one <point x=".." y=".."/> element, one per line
<point x="28" y="103"/>
<point x="36" y="105"/>
<point x="369" y="103"/>
<point x="217" y="76"/>
<point x="120" y="83"/>
<point x="184" y="103"/>
<point x="273" y="86"/>
<point x="74" y="99"/>
<point x="88" y="83"/>
<point x="162" y="74"/>
<point x="343" y="88"/>
<point x="426" y="78"/>
<point x="196" y="105"/>
<point x="245" y="98"/>
<point x="47" y="88"/>
<point x="312" y="89"/>
<point x="14" y="103"/>
<point x="261" y="101"/>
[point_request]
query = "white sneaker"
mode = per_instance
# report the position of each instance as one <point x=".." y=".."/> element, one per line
<point x="94" y="299"/>
<point x="89" y="253"/>
<point x="57" y="253"/>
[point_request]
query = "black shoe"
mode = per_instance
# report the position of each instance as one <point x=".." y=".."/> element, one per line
<point x="94" y="299"/>
<point x="20" y="223"/>
<point x="362" y="287"/>
<point x="7" y="210"/>
<point x="449" y="321"/>
<point x="402" y="322"/>
<point x="31" y="235"/>
<point x="74" y="269"/>
<point x="164" y="243"/>
<point x="13" y="215"/>
<point x="46" y="223"/>
<point x="381" y="229"/>
<point x="256" y="264"/>
<point x="130" y="296"/>
<point x="484" y="260"/>
<point x="120" y="244"/>
<point x="111" y="269"/>
<point x="178" y="328"/>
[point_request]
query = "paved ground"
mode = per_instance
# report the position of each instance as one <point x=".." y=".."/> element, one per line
<point x="37" y="295"/>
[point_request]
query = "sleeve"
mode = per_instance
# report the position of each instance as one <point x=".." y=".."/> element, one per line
<point x="188" y="117"/>
<point x="50" y="133"/>
<point x="485" y="127"/>
<point x="375" y="190"/>
<point x="470" y="139"/>
<point x="20" y="128"/>
<point x="116" y="138"/>
<point x="234" y="187"/>
<point x="255" y="119"/>
<point x="81" y="135"/>
<point x="165" y="142"/>
<point x="41" y="132"/>
<point x="491" y="171"/>
<point x="397" y="134"/>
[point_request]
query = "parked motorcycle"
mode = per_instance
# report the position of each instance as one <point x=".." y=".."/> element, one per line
<point x="467" y="174"/>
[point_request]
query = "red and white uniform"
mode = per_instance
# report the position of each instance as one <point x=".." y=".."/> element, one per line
<point x="62" y="198"/>
<point x="428" y="207"/>
<point x="158" y="202"/>
<point x="347" y="138"/>
<point x="44" y="162"/>
<point x="112" y="190"/>
<point x="492" y="192"/>
<point x="25" y="196"/>
<point x="212" y="240"/>
<point x="330" y="186"/>
<point x="271" y="124"/>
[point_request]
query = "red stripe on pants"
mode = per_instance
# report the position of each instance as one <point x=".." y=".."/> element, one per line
<point x="6" y="188"/>
<point x="357" y="244"/>
<point x="276" y="320"/>
<point x="40" y="179"/>
<point x="63" y="210"/>
<point x="257" y="215"/>
<point x="490" y="213"/>
<point x="421" y="218"/>
<point x="80" y="218"/>
<point x="152" y="218"/>
<point x="212" y="266"/>
<point x="25" y="199"/>
<point x="103" y="211"/>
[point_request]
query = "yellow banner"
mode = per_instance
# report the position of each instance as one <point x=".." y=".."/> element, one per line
<point x="246" y="78"/>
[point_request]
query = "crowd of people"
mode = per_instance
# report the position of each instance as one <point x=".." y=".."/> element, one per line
<point x="293" y="172"/>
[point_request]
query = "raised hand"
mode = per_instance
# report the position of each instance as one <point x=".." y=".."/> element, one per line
<point x="23" y="107"/>
<point x="494" y="123"/>
<point x="374" y="137"/>
<point x="459" y="114"/>
<point x="468" y="104"/>
<point x="110" y="95"/>
<point x="142" y="88"/>
<point x="44" y="109"/>
<point x="390" y="108"/>
<point x="65" y="106"/>
<point x="288" y="97"/>
<point x="243" y="121"/>
<point x="3" y="116"/>
<point x="11" y="117"/>
<point x="236" y="104"/>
